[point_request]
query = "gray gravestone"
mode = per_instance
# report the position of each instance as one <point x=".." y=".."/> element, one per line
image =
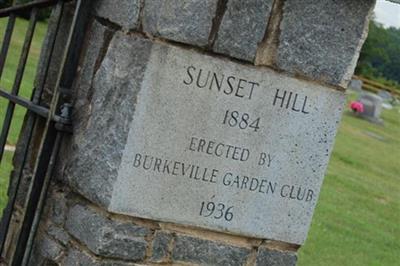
<point x="385" y="95"/>
<point x="356" y="85"/>
<point x="372" y="107"/>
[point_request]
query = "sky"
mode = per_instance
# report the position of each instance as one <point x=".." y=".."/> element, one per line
<point x="387" y="13"/>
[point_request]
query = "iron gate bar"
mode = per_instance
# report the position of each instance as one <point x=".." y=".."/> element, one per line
<point x="47" y="147"/>
<point x="34" y="192"/>
<point x="37" y="109"/>
<point x="6" y="42"/>
<point x="42" y="198"/>
<point x="5" y="12"/>
<point x="18" y="79"/>
<point x="31" y="120"/>
<point x="46" y="56"/>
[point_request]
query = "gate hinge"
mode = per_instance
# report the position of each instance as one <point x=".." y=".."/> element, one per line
<point x="64" y="119"/>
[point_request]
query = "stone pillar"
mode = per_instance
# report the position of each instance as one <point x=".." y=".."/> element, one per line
<point x="202" y="131"/>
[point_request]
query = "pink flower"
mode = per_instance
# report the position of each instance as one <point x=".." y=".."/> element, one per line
<point x="357" y="107"/>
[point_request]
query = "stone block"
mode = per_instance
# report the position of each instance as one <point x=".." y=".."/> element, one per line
<point x="58" y="209"/>
<point x="323" y="47"/>
<point x="93" y="167"/>
<point x="205" y="252"/>
<point x="186" y="21"/>
<point x="96" y="40"/>
<point x="50" y="249"/>
<point x="123" y="12"/>
<point x="275" y="258"/>
<point x="161" y="244"/>
<point x="58" y="234"/>
<point x="78" y="258"/>
<point x="106" y="237"/>
<point x="242" y="28"/>
<point x="45" y="251"/>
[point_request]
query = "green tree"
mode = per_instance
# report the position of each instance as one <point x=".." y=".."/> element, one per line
<point x="380" y="55"/>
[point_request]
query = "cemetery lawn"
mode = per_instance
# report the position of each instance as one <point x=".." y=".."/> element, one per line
<point x="6" y="82"/>
<point x="357" y="218"/>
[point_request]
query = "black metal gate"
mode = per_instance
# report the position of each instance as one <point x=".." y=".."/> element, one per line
<point x="55" y="117"/>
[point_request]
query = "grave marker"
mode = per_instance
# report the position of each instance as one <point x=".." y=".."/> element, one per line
<point x="372" y="107"/>
<point x="356" y="85"/>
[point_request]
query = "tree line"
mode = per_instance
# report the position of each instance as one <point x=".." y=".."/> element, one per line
<point x="380" y="55"/>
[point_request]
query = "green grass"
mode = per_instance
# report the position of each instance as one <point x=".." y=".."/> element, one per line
<point x="5" y="170"/>
<point x="11" y="65"/>
<point x="357" y="218"/>
<point x="6" y="83"/>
